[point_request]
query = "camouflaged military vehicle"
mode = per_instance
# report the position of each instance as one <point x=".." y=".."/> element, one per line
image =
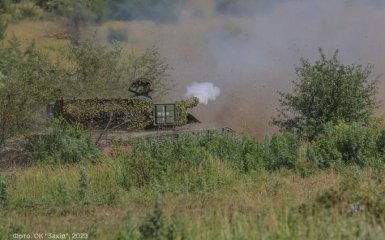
<point x="137" y="116"/>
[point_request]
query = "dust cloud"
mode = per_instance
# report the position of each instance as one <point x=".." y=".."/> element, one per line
<point x="250" y="50"/>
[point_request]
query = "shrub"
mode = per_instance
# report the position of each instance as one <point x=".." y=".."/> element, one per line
<point x="189" y="150"/>
<point x="105" y="187"/>
<point x="327" y="92"/>
<point x="344" y="144"/>
<point x="227" y="148"/>
<point x="153" y="225"/>
<point x="138" y="171"/>
<point x="253" y="154"/>
<point x="283" y="151"/>
<point x="185" y="149"/>
<point x="27" y="80"/>
<point x="223" y="146"/>
<point x="65" y="144"/>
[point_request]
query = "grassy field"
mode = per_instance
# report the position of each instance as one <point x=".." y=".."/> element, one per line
<point x="192" y="194"/>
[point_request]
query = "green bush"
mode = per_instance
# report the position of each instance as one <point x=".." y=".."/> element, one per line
<point x="327" y="92"/>
<point x="164" y="165"/>
<point x="28" y="79"/>
<point x="139" y="169"/>
<point x="66" y="144"/>
<point x="345" y="144"/>
<point x="185" y="149"/>
<point x="253" y="154"/>
<point x="244" y="152"/>
<point x="154" y="224"/>
<point x="283" y="151"/>
<point x="222" y="146"/>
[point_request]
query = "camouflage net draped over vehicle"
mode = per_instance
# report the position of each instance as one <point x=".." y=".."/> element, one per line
<point x="131" y="113"/>
<point x="181" y="108"/>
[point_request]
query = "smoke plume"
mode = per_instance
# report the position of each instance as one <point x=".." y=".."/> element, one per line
<point x="206" y="91"/>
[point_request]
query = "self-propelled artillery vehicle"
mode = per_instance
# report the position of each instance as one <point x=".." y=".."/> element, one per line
<point x="134" y="117"/>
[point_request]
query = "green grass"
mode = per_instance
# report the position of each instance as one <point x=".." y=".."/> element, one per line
<point x="207" y="199"/>
<point x="210" y="186"/>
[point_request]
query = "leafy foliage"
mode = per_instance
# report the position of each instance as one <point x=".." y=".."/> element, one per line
<point x="95" y="69"/>
<point x="66" y="144"/>
<point x="152" y="66"/>
<point x="27" y="79"/>
<point x="283" y="151"/>
<point x="345" y="144"/>
<point x="99" y="71"/>
<point x="327" y="92"/>
<point x="153" y="225"/>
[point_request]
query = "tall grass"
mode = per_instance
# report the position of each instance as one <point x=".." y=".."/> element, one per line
<point x="213" y="186"/>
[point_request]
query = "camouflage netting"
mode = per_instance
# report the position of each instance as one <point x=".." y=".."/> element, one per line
<point x="131" y="113"/>
<point x="181" y="108"/>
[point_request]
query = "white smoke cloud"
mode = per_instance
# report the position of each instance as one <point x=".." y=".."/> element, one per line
<point x="205" y="91"/>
